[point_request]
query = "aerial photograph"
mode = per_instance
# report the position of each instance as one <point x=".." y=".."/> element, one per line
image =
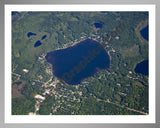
<point x="80" y="63"/>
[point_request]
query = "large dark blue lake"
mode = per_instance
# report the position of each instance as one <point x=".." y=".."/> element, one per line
<point x="78" y="62"/>
<point x="144" y="33"/>
<point x="143" y="67"/>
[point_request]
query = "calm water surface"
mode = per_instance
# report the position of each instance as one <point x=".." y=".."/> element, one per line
<point x="78" y="62"/>
<point x="29" y="34"/>
<point x="38" y="43"/>
<point x="98" y="25"/>
<point x="144" y="32"/>
<point x="143" y="67"/>
<point x="43" y="37"/>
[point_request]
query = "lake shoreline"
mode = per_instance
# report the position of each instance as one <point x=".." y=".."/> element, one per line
<point x="139" y="27"/>
<point x="82" y="41"/>
<point x="82" y="53"/>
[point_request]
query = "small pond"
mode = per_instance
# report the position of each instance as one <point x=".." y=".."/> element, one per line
<point x="143" y="67"/>
<point x="38" y="43"/>
<point x="98" y="25"/>
<point x="43" y="37"/>
<point x="29" y="34"/>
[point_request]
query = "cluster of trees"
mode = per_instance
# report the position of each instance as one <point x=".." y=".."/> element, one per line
<point x="22" y="105"/>
<point x="46" y="107"/>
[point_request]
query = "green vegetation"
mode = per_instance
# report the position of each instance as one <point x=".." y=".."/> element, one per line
<point x="109" y="92"/>
<point x="22" y="105"/>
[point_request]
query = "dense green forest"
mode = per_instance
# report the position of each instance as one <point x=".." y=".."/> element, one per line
<point x="108" y="92"/>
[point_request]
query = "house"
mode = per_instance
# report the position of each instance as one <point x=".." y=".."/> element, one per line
<point x="39" y="97"/>
<point x="25" y="70"/>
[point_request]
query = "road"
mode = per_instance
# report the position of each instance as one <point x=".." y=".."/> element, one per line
<point x="122" y="106"/>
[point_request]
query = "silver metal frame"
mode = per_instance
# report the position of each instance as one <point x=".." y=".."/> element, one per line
<point x="2" y="65"/>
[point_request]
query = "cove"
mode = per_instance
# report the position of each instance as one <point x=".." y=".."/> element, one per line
<point x="142" y="67"/>
<point x="83" y="60"/>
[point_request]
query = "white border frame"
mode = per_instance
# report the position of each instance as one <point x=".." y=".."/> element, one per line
<point x="77" y="118"/>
